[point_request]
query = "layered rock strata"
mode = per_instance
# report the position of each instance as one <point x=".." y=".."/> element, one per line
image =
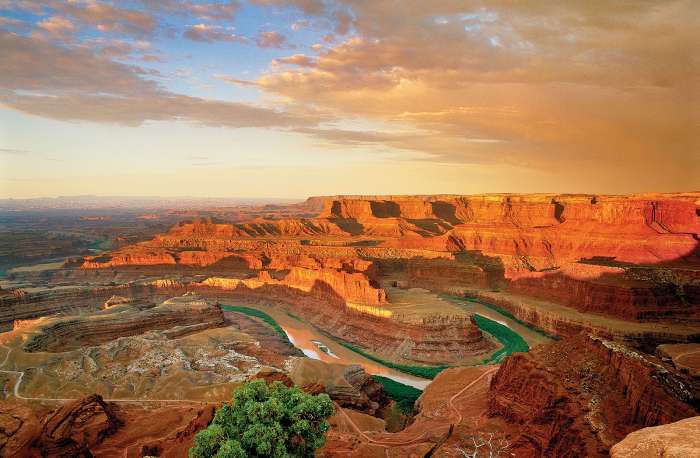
<point x="350" y="386"/>
<point x="579" y="396"/>
<point x="632" y="257"/>
<point x="429" y="340"/>
<point x="179" y="318"/>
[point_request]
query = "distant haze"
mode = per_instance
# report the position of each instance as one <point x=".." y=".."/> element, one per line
<point x="144" y="202"/>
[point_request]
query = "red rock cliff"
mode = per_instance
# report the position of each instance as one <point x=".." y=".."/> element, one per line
<point x="579" y="396"/>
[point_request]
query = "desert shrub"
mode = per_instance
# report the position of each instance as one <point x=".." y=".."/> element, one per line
<point x="429" y="372"/>
<point x="501" y="311"/>
<point x="512" y="341"/>
<point x="404" y="395"/>
<point x="258" y="314"/>
<point x="266" y="421"/>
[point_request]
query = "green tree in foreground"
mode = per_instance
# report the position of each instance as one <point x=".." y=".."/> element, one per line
<point x="266" y="421"/>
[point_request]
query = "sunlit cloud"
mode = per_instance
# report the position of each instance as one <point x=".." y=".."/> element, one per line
<point x="567" y="89"/>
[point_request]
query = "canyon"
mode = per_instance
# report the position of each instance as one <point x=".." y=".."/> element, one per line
<point x="556" y="324"/>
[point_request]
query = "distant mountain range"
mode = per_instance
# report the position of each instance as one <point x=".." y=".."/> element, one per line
<point x="145" y="202"/>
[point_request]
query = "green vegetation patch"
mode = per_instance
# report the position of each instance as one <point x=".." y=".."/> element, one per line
<point x="263" y="420"/>
<point x="429" y="372"/>
<point x="100" y="245"/>
<point x="512" y="341"/>
<point x="258" y="314"/>
<point x="404" y="395"/>
<point x="296" y="317"/>
<point x="505" y="313"/>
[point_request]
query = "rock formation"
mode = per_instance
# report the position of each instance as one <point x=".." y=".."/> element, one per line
<point x="579" y="396"/>
<point x="189" y="314"/>
<point x="674" y="440"/>
<point x="614" y="276"/>
<point x="77" y="427"/>
<point x="19" y="427"/>
<point x="90" y="427"/>
<point x="350" y="386"/>
<point x="626" y="256"/>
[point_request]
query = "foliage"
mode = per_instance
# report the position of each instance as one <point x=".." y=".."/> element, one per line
<point x="429" y="372"/>
<point x="404" y="395"/>
<point x="503" y="312"/>
<point x="266" y="421"/>
<point x="258" y="314"/>
<point x="296" y="317"/>
<point x="512" y="341"/>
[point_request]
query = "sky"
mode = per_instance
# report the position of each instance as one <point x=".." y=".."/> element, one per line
<point x="275" y="98"/>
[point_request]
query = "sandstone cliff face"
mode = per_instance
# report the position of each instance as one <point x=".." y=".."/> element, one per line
<point x="436" y="340"/>
<point x="350" y="386"/>
<point x="180" y="258"/>
<point x="446" y="276"/>
<point x="609" y="290"/>
<point x="579" y="396"/>
<point x="631" y="257"/>
<point x="78" y="426"/>
<point x="33" y="305"/>
<point x="341" y="286"/>
<point x="674" y="440"/>
<point x="74" y="333"/>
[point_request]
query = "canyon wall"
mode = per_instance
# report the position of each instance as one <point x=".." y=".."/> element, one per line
<point x="579" y="396"/>
<point x="632" y="257"/>
<point x="130" y="319"/>
<point x="430" y="340"/>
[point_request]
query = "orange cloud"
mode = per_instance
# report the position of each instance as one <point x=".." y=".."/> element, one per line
<point x="108" y="18"/>
<point x="76" y="84"/>
<point x="58" y="27"/>
<point x="538" y="84"/>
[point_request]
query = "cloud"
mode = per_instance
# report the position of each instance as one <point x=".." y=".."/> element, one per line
<point x="9" y="23"/>
<point x="211" y="11"/>
<point x="107" y="18"/>
<point x="75" y="84"/>
<point x="31" y="64"/>
<point x="314" y="7"/>
<point x="234" y="80"/>
<point x="160" y="106"/>
<point x="14" y="152"/>
<point x="270" y="39"/>
<point x="591" y="84"/>
<point x="58" y="27"/>
<point x="117" y="48"/>
<point x="301" y="60"/>
<point x="300" y="24"/>
<point x="555" y="86"/>
<point x="210" y="33"/>
<point x="214" y="11"/>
